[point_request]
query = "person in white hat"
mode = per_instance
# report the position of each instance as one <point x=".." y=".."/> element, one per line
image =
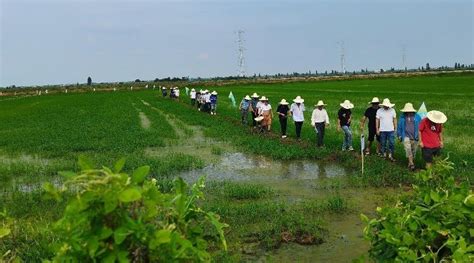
<point x="176" y="93"/>
<point x="213" y="100"/>
<point x="164" y="92"/>
<point x="297" y="110"/>
<point x="199" y="99"/>
<point x="369" y="115"/>
<point x="244" y="108"/>
<point x="283" y="112"/>
<point x="344" y="122"/>
<point x="254" y="109"/>
<point x="386" y="122"/>
<point x="265" y="110"/>
<point x="431" y="137"/>
<point x="407" y="132"/>
<point x="192" y="95"/>
<point x="319" y="121"/>
<point x="207" y="101"/>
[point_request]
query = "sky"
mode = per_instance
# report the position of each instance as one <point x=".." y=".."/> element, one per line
<point x="65" y="41"/>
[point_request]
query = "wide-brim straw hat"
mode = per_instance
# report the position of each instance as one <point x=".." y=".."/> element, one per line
<point x="374" y="100"/>
<point x="408" y="108"/>
<point x="298" y="99"/>
<point x="263" y="98"/>
<point x="386" y="103"/>
<point x="255" y="95"/>
<point x="436" y="117"/>
<point x="214" y="93"/>
<point x="193" y="90"/>
<point x="283" y="102"/>
<point x="320" y="103"/>
<point x="347" y="105"/>
<point x="247" y="97"/>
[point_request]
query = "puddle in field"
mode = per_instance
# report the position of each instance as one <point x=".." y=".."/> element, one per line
<point x="237" y="166"/>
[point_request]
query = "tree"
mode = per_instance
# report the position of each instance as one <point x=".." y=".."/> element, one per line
<point x="89" y="81"/>
<point x="428" y="66"/>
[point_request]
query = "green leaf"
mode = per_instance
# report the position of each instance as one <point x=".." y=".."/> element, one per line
<point x="120" y="234"/>
<point x="364" y="218"/>
<point x="85" y="163"/>
<point x="469" y="201"/>
<point x="123" y="257"/>
<point x="110" y="258"/>
<point x="163" y="236"/>
<point x="119" y="165"/>
<point x="67" y="174"/>
<point x="105" y="232"/>
<point x="130" y="195"/>
<point x="110" y="203"/>
<point x="4" y="232"/>
<point x="140" y="173"/>
<point x="92" y="246"/>
<point x="435" y="196"/>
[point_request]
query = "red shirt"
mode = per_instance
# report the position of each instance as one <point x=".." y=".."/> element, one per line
<point x="430" y="133"/>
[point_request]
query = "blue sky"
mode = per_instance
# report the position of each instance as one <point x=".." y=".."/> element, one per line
<point x="52" y="42"/>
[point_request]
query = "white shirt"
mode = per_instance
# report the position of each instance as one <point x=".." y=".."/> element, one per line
<point x="297" y="112"/>
<point x="208" y="98"/>
<point x="176" y="93"/>
<point x="259" y="104"/>
<point x="386" y="119"/>
<point x="319" y="116"/>
<point x="264" y="107"/>
<point x="193" y="94"/>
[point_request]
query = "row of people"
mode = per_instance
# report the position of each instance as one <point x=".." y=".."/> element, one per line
<point x="204" y="100"/>
<point x="411" y="129"/>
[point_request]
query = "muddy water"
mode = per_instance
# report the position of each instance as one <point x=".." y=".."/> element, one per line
<point x="301" y="180"/>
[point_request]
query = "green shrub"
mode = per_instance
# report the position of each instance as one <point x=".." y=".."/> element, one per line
<point x="117" y="217"/>
<point x="434" y="224"/>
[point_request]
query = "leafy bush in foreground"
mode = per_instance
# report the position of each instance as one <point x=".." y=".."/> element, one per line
<point x="116" y="217"/>
<point x="434" y="224"/>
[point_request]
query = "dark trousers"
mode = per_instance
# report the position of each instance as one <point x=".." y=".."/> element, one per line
<point x="320" y="127"/>
<point x="299" y="125"/>
<point x="283" y="124"/>
<point x="254" y="115"/>
<point x="193" y="101"/>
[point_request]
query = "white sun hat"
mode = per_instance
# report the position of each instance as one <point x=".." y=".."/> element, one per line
<point x="374" y="100"/>
<point x="255" y="95"/>
<point x="263" y="98"/>
<point x="283" y="102"/>
<point x="347" y="105"/>
<point x="193" y="89"/>
<point x="436" y="117"/>
<point x="386" y="103"/>
<point x="298" y="99"/>
<point x="247" y="97"/>
<point x="408" y="108"/>
<point x="320" y="103"/>
<point x="214" y="93"/>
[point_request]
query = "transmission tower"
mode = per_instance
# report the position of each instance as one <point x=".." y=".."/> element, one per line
<point x="240" y="42"/>
<point x="404" y="58"/>
<point x="343" y="58"/>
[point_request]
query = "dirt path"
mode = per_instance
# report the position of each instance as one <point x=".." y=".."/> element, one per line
<point x="190" y="141"/>
<point x="144" y="121"/>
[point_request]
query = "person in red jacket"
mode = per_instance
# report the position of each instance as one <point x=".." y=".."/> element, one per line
<point x="431" y="138"/>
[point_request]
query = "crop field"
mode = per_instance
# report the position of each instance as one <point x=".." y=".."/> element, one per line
<point x="283" y="199"/>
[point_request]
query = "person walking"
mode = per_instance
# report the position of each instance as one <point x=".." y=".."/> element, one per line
<point x="213" y="101"/>
<point x="386" y="123"/>
<point x="254" y="108"/>
<point x="370" y="115"/>
<point x="192" y="95"/>
<point x="265" y="110"/>
<point x="431" y="138"/>
<point x="176" y="93"/>
<point x="319" y="121"/>
<point x="244" y="108"/>
<point x="297" y="110"/>
<point x="344" y="123"/>
<point x="199" y="99"/>
<point x="407" y="132"/>
<point x="283" y="112"/>
<point x="164" y="92"/>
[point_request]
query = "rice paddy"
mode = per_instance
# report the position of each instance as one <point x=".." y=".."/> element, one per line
<point x="283" y="199"/>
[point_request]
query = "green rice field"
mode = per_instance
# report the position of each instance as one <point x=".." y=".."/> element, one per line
<point x="284" y="200"/>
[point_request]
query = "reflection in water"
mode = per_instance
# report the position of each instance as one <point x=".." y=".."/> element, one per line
<point x="243" y="167"/>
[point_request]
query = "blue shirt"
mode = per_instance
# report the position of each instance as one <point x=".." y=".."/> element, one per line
<point x="245" y="104"/>
<point x="401" y="129"/>
<point x="213" y="99"/>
